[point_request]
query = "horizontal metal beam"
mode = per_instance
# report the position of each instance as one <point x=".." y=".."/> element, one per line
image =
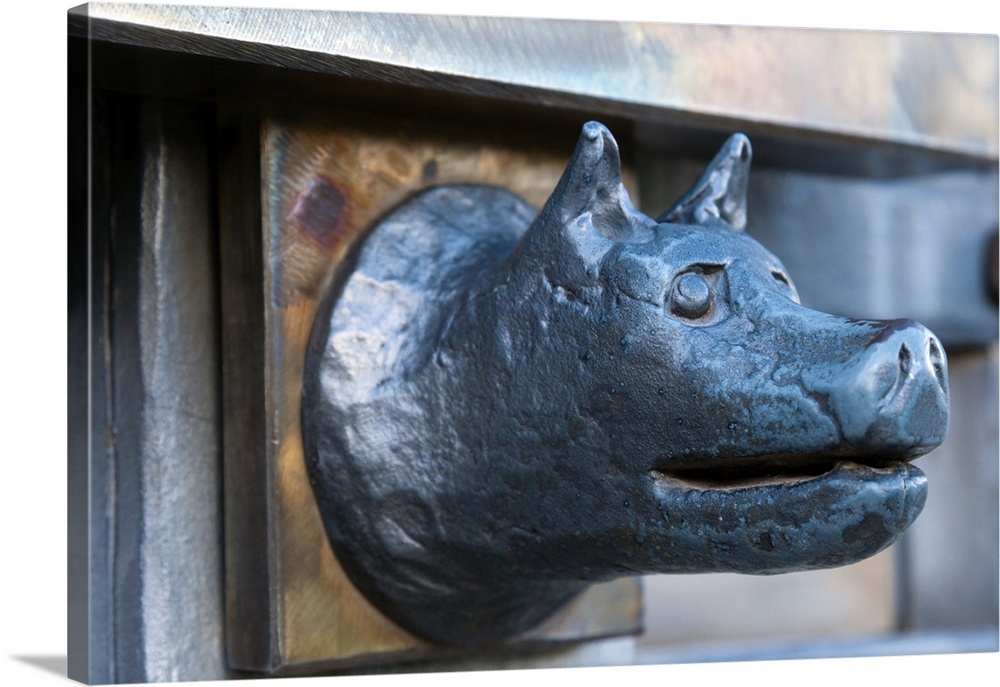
<point x="934" y="91"/>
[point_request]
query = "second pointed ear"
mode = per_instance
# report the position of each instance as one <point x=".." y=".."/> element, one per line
<point x="720" y="193"/>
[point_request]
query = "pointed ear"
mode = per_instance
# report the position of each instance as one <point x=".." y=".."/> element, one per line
<point x="720" y="193"/>
<point x="592" y="185"/>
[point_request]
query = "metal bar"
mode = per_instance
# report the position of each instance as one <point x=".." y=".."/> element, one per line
<point x="936" y="91"/>
<point x="180" y="559"/>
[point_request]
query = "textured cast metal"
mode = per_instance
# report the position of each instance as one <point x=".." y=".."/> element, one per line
<point x="501" y="408"/>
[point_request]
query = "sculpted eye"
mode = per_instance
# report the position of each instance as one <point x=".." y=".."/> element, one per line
<point x="691" y="296"/>
<point x="780" y="276"/>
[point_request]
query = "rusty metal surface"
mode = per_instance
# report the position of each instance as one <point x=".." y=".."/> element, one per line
<point x="936" y="91"/>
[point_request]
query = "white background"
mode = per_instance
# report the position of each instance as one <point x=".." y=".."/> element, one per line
<point x="33" y="333"/>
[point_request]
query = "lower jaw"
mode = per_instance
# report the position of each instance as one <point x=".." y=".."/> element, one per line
<point x="775" y="524"/>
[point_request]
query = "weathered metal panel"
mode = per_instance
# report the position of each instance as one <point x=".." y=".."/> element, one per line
<point x="937" y="91"/>
<point x="154" y="550"/>
<point x="180" y="555"/>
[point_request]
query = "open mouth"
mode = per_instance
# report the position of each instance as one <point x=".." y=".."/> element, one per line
<point x="779" y="470"/>
<point x="766" y="516"/>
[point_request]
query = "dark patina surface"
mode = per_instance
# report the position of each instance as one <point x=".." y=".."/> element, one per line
<point x="501" y="408"/>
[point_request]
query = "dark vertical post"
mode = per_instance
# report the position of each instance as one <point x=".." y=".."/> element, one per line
<point x="246" y="434"/>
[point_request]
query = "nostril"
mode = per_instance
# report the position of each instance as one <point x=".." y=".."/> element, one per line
<point x="937" y="361"/>
<point x="905" y="360"/>
<point x="934" y="351"/>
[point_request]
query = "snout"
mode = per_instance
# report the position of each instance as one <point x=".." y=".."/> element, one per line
<point x="894" y="394"/>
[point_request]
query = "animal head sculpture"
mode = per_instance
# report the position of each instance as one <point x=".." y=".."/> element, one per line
<point x="500" y="409"/>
